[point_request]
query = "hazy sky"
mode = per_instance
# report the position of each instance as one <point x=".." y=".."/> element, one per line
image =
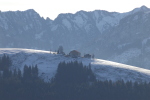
<point x="51" y="8"/>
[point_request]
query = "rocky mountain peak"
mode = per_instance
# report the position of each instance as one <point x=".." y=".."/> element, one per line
<point x="140" y="9"/>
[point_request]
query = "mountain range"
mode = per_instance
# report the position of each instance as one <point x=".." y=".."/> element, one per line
<point x="119" y="37"/>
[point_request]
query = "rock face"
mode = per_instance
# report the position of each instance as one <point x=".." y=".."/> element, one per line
<point x="120" y="37"/>
<point x="22" y="29"/>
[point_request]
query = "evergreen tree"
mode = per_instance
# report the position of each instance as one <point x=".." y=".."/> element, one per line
<point x="5" y="62"/>
<point x="73" y="72"/>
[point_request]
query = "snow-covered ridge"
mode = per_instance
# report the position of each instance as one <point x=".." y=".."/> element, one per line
<point x="47" y="63"/>
<point x="102" y="19"/>
<point x="18" y="50"/>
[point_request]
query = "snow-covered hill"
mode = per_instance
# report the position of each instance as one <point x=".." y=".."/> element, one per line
<point x="47" y="63"/>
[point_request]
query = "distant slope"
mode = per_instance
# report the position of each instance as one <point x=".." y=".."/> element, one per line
<point x="47" y="63"/>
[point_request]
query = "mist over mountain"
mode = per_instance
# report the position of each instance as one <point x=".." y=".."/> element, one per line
<point x="120" y="37"/>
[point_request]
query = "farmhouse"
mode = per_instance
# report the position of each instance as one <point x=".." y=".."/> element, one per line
<point x="74" y="53"/>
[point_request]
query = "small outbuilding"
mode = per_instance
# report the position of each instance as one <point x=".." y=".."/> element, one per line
<point x="87" y="56"/>
<point x="74" y="53"/>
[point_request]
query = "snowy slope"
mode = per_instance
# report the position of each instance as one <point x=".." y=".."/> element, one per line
<point x="47" y="63"/>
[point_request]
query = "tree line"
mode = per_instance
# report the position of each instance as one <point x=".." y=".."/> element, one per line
<point x="72" y="81"/>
